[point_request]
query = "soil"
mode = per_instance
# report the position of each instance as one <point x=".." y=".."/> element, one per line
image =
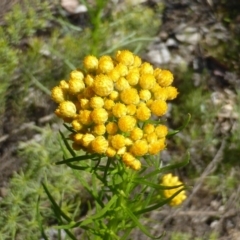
<point x="204" y="211"/>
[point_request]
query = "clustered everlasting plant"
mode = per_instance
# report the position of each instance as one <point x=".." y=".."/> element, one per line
<point x="109" y="106"/>
<point x="113" y="109"/>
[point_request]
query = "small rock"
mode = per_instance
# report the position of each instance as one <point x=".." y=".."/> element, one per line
<point x="159" y="56"/>
<point x="189" y="35"/>
<point x="214" y="224"/>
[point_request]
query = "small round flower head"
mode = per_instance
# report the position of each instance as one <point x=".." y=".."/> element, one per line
<point x="172" y="92"/>
<point x="63" y="84"/>
<point x="143" y="113"/>
<point x="87" y="139"/>
<point x="139" y="148"/>
<point x="84" y="117"/>
<point x="130" y="96"/>
<point x="90" y="63"/>
<point x="110" y="152"/>
<point x="158" y="107"/>
<point x="76" y="85"/>
<point x="164" y="78"/>
<point x="99" y="145"/>
<point x="121" y="84"/>
<point x="108" y="104"/>
<point x="122" y="69"/>
<point x="89" y="80"/>
<point x="96" y="102"/>
<point x="67" y="109"/>
<point x="125" y="57"/>
<point x="145" y="95"/>
<point x="114" y="74"/>
<point x="77" y="126"/>
<point x="161" y="131"/>
<point x="114" y="95"/>
<point x="137" y="61"/>
<point x="133" y="76"/>
<point x="99" y="115"/>
<point x="131" y="161"/>
<point x="147" y="81"/>
<point x="112" y="128"/>
<point x="156" y="147"/>
<point x="78" y="138"/>
<point x="76" y="75"/>
<point x="146" y="68"/>
<point x="105" y="64"/>
<point x="99" y="129"/>
<point x="118" y="141"/>
<point x="148" y="128"/>
<point x="119" y="110"/>
<point x="84" y="103"/>
<point x="151" y="137"/>
<point x="160" y="93"/>
<point x="136" y="134"/>
<point x="126" y="123"/>
<point x="102" y="85"/>
<point x="131" y="109"/>
<point x="170" y="181"/>
<point x="58" y="94"/>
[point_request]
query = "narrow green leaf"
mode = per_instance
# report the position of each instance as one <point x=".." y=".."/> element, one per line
<point x="67" y="145"/>
<point x="141" y="227"/>
<point x="93" y="157"/>
<point x="44" y="236"/>
<point x="171" y="134"/>
<point x="158" y="205"/>
<point x="56" y="208"/>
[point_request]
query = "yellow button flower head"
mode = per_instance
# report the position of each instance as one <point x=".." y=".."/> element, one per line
<point x="158" y="107"/>
<point x="164" y="78"/>
<point x="99" y="145"/>
<point x="125" y="57"/>
<point x="161" y="131"/>
<point x="96" y="102"/>
<point x="87" y="139"/>
<point x="103" y="85"/>
<point x="146" y="68"/>
<point x="145" y="95"/>
<point x="121" y="69"/>
<point x="111" y="128"/>
<point x="139" y="148"/>
<point x="67" y="109"/>
<point x="126" y="123"/>
<point x="119" y="110"/>
<point x="90" y="63"/>
<point x="99" y="129"/>
<point x="99" y="115"/>
<point x="130" y="96"/>
<point x="172" y="92"/>
<point x="121" y="84"/>
<point x="143" y="113"/>
<point x="156" y="147"/>
<point x="133" y="76"/>
<point x="136" y="134"/>
<point x="76" y="85"/>
<point x="84" y="117"/>
<point x="105" y="64"/>
<point x="107" y="106"/>
<point x="131" y="109"/>
<point x="148" y="128"/>
<point x="118" y="141"/>
<point x="58" y="94"/>
<point x="170" y="181"/>
<point x="147" y="81"/>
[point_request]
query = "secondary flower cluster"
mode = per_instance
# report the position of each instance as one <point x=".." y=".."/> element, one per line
<point x="110" y="103"/>
<point x="170" y="181"/>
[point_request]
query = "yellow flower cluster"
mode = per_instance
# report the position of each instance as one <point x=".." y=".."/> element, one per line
<point x="110" y="102"/>
<point x="171" y="181"/>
